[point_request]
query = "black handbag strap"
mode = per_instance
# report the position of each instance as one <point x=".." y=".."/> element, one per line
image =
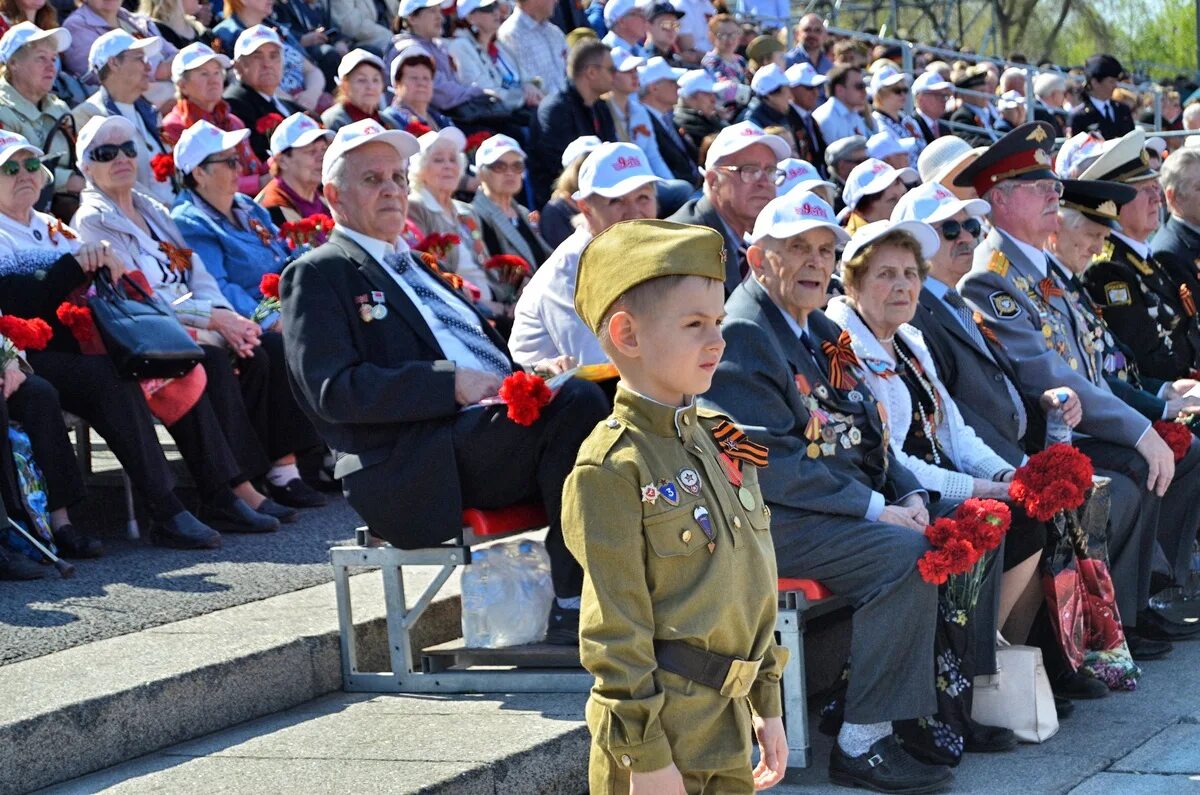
<point x="105" y="285"/>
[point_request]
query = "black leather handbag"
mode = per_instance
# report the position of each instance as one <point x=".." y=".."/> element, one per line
<point x="142" y="335"/>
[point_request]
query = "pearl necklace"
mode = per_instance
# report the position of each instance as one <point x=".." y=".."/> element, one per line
<point x="929" y="428"/>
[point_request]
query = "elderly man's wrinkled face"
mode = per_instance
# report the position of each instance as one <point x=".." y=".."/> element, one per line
<point x="1184" y="200"/>
<point x="957" y="250"/>
<point x="843" y="167"/>
<point x="1028" y="210"/>
<point x="703" y="101"/>
<point x="1139" y="218"/>
<point x="262" y="69"/>
<point x="795" y="272"/>
<point x="1077" y="242"/>
<point x="737" y="196"/>
<point x="372" y="196"/>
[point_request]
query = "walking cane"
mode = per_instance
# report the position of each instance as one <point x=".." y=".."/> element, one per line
<point x="65" y="570"/>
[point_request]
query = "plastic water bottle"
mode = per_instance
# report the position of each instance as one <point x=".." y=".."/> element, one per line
<point x="1057" y="429"/>
<point x="476" y="632"/>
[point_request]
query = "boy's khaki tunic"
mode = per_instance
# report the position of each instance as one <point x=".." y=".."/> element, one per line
<point x="649" y="575"/>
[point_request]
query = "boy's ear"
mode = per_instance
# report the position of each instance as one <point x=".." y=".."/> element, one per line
<point x="622" y="331"/>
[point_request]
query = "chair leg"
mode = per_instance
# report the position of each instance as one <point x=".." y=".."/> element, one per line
<point x="790" y="626"/>
<point x="131" y="524"/>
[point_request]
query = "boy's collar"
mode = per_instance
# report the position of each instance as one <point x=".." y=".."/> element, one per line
<point x="650" y="415"/>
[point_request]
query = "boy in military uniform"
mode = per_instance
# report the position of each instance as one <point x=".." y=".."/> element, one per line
<point x="664" y="513"/>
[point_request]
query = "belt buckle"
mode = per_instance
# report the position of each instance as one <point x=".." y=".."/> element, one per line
<point x="740" y="678"/>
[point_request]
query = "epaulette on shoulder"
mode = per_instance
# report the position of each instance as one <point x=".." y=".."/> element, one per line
<point x="600" y="442"/>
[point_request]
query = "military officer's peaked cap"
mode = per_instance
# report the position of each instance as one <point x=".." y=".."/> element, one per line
<point x="1022" y="154"/>
<point x="1122" y="160"/>
<point x="1098" y="200"/>
<point x="631" y="252"/>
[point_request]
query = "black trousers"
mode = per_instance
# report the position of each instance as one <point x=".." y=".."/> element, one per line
<point x="89" y="387"/>
<point x="35" y="405"/>
<point x="501" y="463"/>
<point x="283" y="427"/>
<point x="225" y="390"/>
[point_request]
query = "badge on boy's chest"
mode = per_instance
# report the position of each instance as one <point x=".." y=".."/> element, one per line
<point x="371" y="306"/>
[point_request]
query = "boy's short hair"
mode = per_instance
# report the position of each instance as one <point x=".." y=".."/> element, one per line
<point x="638" y="300"/>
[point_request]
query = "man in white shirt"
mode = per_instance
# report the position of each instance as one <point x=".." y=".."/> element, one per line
<point x="841" y="116"/>
<point x="540" y="46"/>
<point x="390" y="362"/>
<point x="627" y="25"/>
<point x="615" y="184"/>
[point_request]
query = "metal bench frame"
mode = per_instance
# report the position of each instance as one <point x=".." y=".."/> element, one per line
<point x="407" y="676"/>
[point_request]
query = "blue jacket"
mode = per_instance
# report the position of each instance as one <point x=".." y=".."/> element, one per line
<point x="235" y="256"/>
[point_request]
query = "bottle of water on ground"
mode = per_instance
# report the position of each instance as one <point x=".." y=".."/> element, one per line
<point x="506" y="595"/>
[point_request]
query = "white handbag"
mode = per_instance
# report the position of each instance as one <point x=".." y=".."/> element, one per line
<point x="1018" y="696"/>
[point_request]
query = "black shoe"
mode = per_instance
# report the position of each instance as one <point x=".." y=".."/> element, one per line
<point x="887" y="767"/>
<point x="296" y="494"/>
<point x="272" y="508"/>
<point x="74" y="543"/>
<point x="235" y="516"/>
<point x="185" y="531"/>
<point x="1142" y="648"/>
<point x="981" y="739"/>
<point x="1063" y="707"/>
<point x="15" y="566"/>
<point x="1077" y="685"/>
<point x="1155" y="626"/>
<point x="564" y="626"/>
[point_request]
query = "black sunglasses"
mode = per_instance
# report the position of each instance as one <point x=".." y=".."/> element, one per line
<point x="106" y="153"/>
<point x="952" y="229"/>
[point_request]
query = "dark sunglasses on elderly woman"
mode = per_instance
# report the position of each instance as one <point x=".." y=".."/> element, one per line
<point x="106" y="153"/>
<point x="952" y="229"/>
<point x="11" y="167"/>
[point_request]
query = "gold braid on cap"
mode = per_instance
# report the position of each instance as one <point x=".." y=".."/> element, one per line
<point x="1106" y="210"/>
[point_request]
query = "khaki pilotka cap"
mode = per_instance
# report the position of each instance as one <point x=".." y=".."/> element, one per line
<point x="631" y="252"/>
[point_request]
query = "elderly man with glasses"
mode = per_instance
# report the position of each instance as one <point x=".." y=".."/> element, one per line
<point x="1025" y="305"/>
<point x="740" y="175"/>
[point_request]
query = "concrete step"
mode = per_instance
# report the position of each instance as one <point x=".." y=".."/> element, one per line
<point x="95" y="705"/>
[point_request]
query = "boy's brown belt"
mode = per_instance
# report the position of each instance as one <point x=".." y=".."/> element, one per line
<point x="732" y="676"/>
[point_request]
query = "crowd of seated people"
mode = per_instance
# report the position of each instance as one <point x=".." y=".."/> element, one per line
<point x="199" y="150"/>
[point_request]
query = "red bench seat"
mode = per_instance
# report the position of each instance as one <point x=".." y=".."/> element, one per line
<point x="502" y="521"/>
<point x="812" y="590"/>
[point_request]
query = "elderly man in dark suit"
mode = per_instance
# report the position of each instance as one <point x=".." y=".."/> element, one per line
<point x="843" y="511"/>
<point x="258" y="64"/>
<point x="1023" y="302"/>
<point x="389" y="362"/>
<point x="1177" y="244"/>
<point x="740" y="174"/>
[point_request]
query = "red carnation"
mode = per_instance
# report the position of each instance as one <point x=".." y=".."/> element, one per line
<point x="509" y="269"/>
<point x="417" y="127"/>
<point x="474" y="140"/>
<point x="525" y="395"/>
<point x="961" y="555"/>
<point x="983" y="522"/>
<point x="163" y="166"/>
<point x="25" y="335"/>
<point x="934" y="567"/>
<point x="1177" y="437"/>
<point x="78" y="320"/>
<point x="269" y="285"/>
<point x="942" y="530"/>
<point x="267" y="124"/>
<point x="1056" y="479"/>
<point x="438" y="244"/>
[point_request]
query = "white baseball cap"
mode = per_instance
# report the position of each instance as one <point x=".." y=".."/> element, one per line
<point x="794" y="214"/>
<point x="11" y="143"/>
<point x="1157" y="144"/>
<point x="870" y="177"/>
<point x="768" y="79"/>
<point x="583" y="145"/>
<point x="737" y="137"/>
<point x="883" y="144"/>
<point x="495" y="148"/>
<point x="24" y="33"/>
<point x="886" y="77"/>
<point x="927" y="238"/>
<point x="406" y="53"/>
<point x="612" y="170"/>
<point x="296" y="130"/>
<point x="115" y="42"/>
<point x="803" y="75"/>
<point x="934" y="203"/>
<point x="801" y="174"/>
<point x="453" y="135"/>
<point x="203" y="140"/>
<point x="97" y="124"/>
<point x="465" y="7"/>
<point x="930" y="81"/>
<point x="1075" y="150"/>
<point x="356" y="58"/>
<point x="657" y="69"/>
<point x="615" y="9"/>
<point x="696" y="81"/>
<point x="194" y="56"/>
<point x="1010" y="99"/>
<point x="625" y="61"/>
<point x="362" y="132"/>
<point x="410" y="7"/>
<point x="254" y="37"/>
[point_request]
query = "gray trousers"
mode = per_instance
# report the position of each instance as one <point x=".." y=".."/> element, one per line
<point x="874" y="566"/>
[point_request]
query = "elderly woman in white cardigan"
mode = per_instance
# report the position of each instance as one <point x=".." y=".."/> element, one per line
<point x="882" y="270"/>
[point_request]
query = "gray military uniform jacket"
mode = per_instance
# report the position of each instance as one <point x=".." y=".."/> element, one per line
<point x="1045" y="335"/>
